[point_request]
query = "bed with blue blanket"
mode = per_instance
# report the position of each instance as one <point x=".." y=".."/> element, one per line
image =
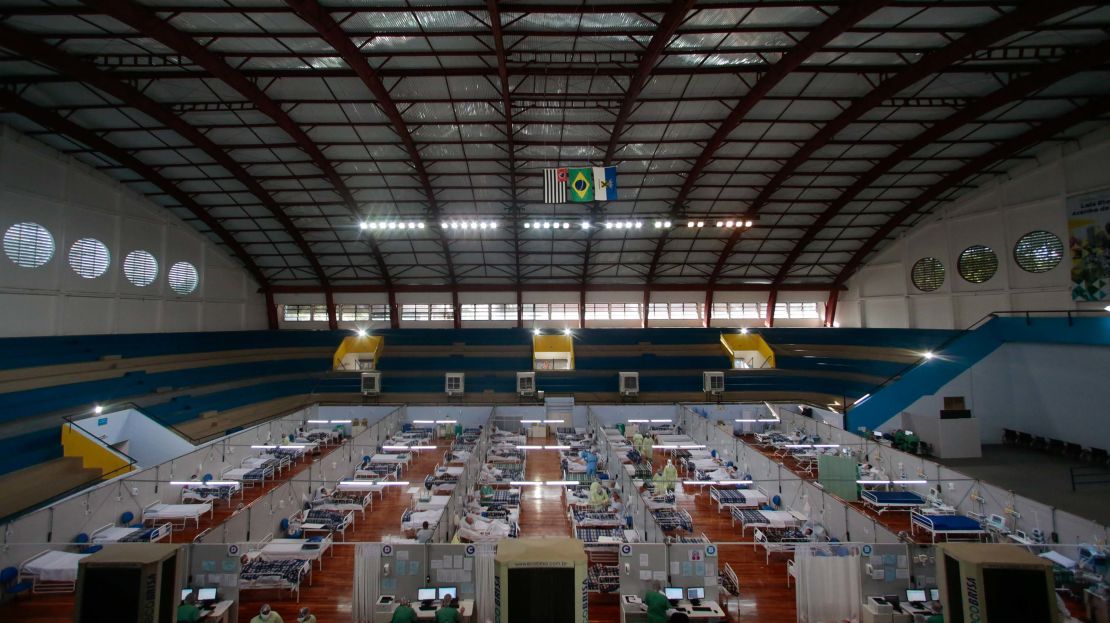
<point x="500" y="497"/>
<point x="742" y="498"/>
<point x="881" y="501"/>
<point x="948" y="525"/>
<point x="585" y="517"/>
<point x="673" y="519"/>
<point x="277" y="575"/>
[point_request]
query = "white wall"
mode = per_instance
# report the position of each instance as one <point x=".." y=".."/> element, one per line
<point x="1032" y="197"/>
<point x="72" y="201"/>
<point x="150" y="443"/>
<point x="1041" y="389"/>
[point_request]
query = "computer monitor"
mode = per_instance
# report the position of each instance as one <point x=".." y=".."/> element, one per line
<point x="695" y="593"/>
<point x="915" y="594"/>
<point x="206" y="594"/>
<point x="934" y="594"/>
<point x="447" y="590"/>
<point x="185" y="592"/>
<point x="426" y="594"/>
<point x="672" y="593"/>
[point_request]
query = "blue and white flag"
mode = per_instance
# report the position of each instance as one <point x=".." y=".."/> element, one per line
<point x="605" y="183"/>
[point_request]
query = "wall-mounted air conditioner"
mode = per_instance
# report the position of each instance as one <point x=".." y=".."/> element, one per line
<point x="454" y="383"/>
<point x="371" y="383"/>
<point x="713" y="383"/>
<point x="526" y="383"/>
<point x="629" y="383"/>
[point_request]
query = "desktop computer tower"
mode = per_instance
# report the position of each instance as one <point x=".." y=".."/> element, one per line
<point x="129" y="583"/>
<point x="986" y="583"/>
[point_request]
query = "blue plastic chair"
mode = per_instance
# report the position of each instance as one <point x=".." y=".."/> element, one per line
<point x="8" y="582"/>
<point x="207" y="477"/>
<point x="126" y="518"/>
<point x="776" y="501"/>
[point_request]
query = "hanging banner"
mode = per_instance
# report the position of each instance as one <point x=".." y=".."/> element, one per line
<point x="1089" y="239"/>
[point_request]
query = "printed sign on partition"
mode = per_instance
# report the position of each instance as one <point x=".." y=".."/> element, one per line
<point x="387" y="550"/>
<point x="1089" y="241"/>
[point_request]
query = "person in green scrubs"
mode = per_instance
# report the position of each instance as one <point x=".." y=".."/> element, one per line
<point x="657" y="604"/>
<point x="188" y="612"/>
<point x="448" y="611"/>
<point x="306" y="616"/>
<point x="404" y="613"/>
<point x="267" y="615"/>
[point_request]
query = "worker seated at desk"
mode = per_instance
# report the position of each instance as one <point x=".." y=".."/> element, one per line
<point x="448" y="610"/>
<point x="187" y="611"/>
<point x="404" y="613"/>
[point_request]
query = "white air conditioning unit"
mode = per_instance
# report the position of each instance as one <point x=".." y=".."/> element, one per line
<point x="713" y="383"/>
<point x="526" y="383"/>
<point x="630" y="383"/>
<point x="371" y="383"/>
<point x="454" y="383"/>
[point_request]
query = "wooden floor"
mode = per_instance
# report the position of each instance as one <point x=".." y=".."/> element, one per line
<point x="764" y="594"/>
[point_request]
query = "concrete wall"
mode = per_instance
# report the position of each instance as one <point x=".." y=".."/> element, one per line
<point x="997" y="215"/>
<point x="1051" y="390"/>
<point x="72" y="201"/>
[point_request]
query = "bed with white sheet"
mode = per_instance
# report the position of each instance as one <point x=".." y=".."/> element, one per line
<point x="112" y="533"/>
<point x="750" y="518"/>
<point x="204" y="492"/>
<point x="389" y="458"/>
<point x="478" y="529"/>
<point x="312" y="550"/>
<point x="253" y="470"/>
<point x="51" y="571"/>
<point x="742" y="498"/>
<point x="344" y="500"/>
<point x="324" y="436"/>
<point x="179" y="515"/>
<point x="432" y="502"/>
<point x="413" y="520"/>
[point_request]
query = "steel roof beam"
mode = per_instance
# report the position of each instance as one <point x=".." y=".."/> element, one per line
<point x="666" y="28"/>
<point x="1018" y="20"/>
<point x="1087" y="112"/>
<point x="507" y="105"/>
<point x="1014" y="91"/>
<point x="533" y="71"/>
<point x="147" y="22"/>
<point x="86" y="73"/>
<point x="12" y="102"/>
<point x="562" y="286"/>
<point x="316" y="16"/>
<point x="829" y="30"/>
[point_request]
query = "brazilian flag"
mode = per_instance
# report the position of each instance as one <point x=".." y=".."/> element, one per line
<point x="580" y="183"/>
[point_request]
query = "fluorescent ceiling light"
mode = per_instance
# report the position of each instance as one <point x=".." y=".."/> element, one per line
<point x="562" y="483"/>
<point x="198" y="483"/>
<point x="525" y="483"/>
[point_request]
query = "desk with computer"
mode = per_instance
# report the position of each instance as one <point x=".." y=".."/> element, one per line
<point x="212" y="609"/>
<point x="690" y="601"/>
<point x="914" y="606"/>
<point x="428" y="600"/>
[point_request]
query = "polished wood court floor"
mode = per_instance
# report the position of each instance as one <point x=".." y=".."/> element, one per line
<point x="764" y="594"/>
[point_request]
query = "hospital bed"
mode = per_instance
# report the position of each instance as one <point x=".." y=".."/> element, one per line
<point x="204" y="492"/>
<point x="742" y="498"/>
<point x="605" y="536"/>
<point x="750" y="518"/>
<point x="401" y="459"/>
<point x="277" y="575"/>
<point x="176" y="514"/>
<point x="640" y="471"/>
<point x="51" y="571"/>
<point x="345" y="500"/>
<point x="323" y="436"/>
<point x="779" y="541"/>
<point x="671" y="519"/>
<point x="946" y="524"/>
<point x="501" y="497"/>
<point x="412" y="520"/>
<point x="582" y="516"/>
<point x="251" y="472"/>
<point x="270" y="549"/>
<point x="603" y="578"/>
<point x="112" y="533"/>
<point x="882" y="501"/>
<point x="322" y="521"/>
<point x="430" y="502"/>
<point x="478" y="529"/>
